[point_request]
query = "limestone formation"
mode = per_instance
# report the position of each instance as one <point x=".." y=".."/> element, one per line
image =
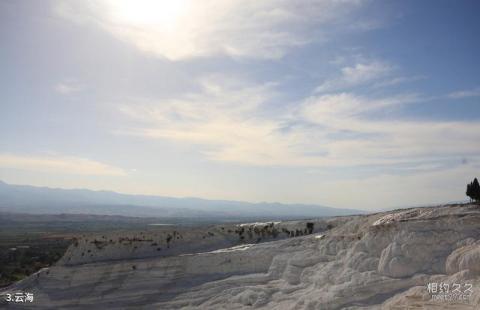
<point x="391" y="260"/>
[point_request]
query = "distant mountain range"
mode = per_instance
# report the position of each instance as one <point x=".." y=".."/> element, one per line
<point x="43" y="200"/>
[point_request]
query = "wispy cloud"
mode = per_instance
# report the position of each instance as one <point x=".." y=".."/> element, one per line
<point x="59" y="164"/>
<point x="392" y="141"/>
<point x="239" y="28"/>
<point x="68" y="87"/>
<point x="232" y="122"/>
<point x="465" y="93"/>
<point x="223" y="117"/>
<point x="358" y="74"/>
<point x="399" y="80"/>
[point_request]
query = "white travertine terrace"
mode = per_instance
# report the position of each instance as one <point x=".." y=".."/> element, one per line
<point x="377" y="261"/>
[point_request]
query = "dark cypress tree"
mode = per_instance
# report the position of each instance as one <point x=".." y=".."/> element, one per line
<point x="476" y="190"/>
<point x="469" y="191"/>
<point x="473" y="190"/>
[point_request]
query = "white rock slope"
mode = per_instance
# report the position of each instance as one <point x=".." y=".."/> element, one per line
<point x="378" y="261"/>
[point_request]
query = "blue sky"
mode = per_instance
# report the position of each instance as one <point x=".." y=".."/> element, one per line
<point x="358" y="104"/>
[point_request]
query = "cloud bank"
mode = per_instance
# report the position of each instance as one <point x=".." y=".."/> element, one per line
<point x="237" y="122"/>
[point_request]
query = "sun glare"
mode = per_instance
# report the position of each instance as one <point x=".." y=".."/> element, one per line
<point x="163" y="14"/>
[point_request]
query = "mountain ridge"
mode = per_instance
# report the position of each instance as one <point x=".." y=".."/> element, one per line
<point x="33" y="199"/>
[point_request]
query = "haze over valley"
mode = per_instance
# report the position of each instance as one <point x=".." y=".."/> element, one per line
<point x="37" y="200"/>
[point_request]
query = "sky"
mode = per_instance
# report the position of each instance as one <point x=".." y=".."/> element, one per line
<point x="344" y="103"/>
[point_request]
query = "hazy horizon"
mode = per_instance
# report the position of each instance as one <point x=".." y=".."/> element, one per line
<point x="174" y="197"/>
<point x="351" y="104"/>
<point x="465" y="200"/>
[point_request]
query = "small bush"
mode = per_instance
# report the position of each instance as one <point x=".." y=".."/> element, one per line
<point x="310" y="227"/>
